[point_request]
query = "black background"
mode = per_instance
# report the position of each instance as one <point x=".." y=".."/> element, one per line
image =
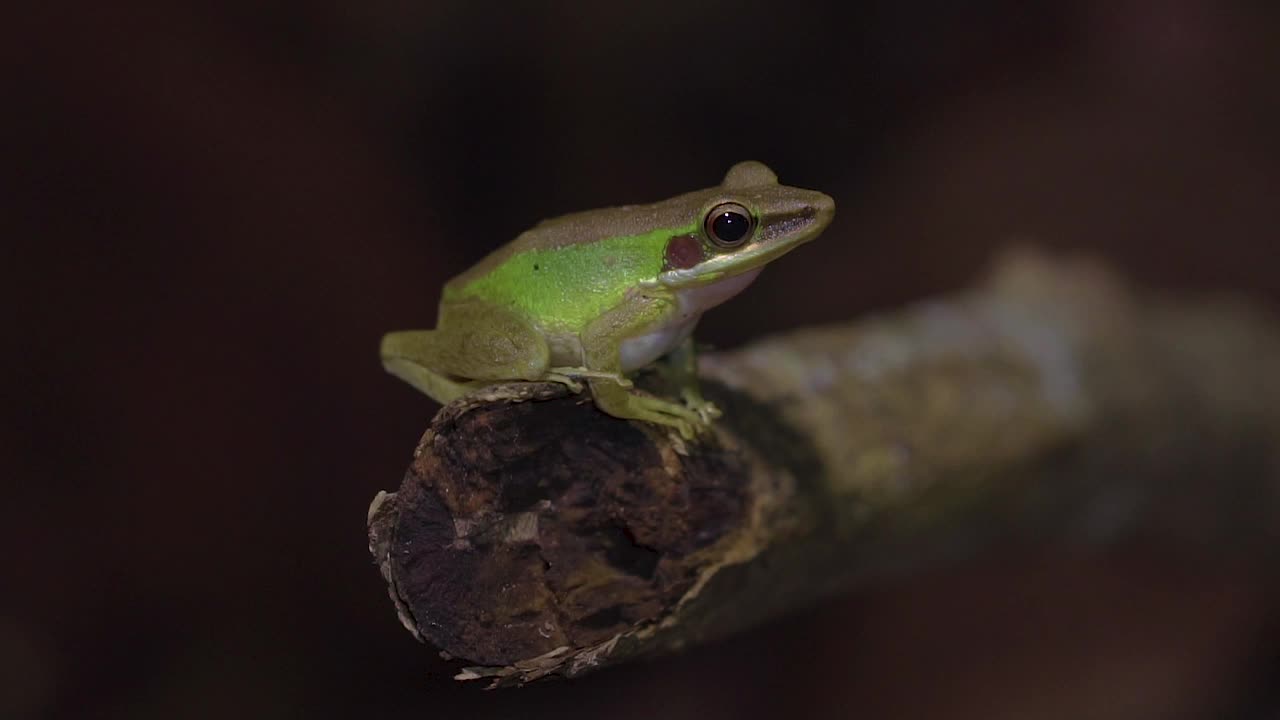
<point x="214" y="212"/>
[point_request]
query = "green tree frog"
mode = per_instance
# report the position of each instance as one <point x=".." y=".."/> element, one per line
<point x="592" y="296"/>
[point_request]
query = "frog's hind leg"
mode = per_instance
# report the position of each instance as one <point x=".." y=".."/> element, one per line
<point x="571" y="375"/>
<point x="403" y="356"/>
<point x="476" y="344"/>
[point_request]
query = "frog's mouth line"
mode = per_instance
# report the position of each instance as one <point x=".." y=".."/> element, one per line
<point x="783" y="233"/>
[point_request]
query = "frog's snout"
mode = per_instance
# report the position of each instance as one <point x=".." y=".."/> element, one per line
<point x="804" y="218"/>
<point x="823" y="208"/>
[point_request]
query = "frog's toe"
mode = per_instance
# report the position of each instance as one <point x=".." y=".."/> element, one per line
<point x="574" y="385"/>
<point x="705" y="409"/>
<point x="708" y="412"/>
<point x="663" y="412"/>
<point x="687" y="430"/>
<point x="581" y="372"/>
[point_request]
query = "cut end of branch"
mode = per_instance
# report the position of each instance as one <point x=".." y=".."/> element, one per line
<point x="527" y="539"/>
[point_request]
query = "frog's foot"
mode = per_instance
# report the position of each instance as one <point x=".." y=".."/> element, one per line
<point x="570" y="375"/>
<point x="574" y="386"/>
<point x="687" y="422"/>
<point x="706" y="410"/>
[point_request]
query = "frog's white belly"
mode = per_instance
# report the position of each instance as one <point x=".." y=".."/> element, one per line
<point x="641" y="350"/>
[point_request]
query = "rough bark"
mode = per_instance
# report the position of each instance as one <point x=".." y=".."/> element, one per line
<point x="535" y="535"/>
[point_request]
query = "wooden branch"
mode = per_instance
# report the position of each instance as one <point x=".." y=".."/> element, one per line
<point x="535" y="535"/>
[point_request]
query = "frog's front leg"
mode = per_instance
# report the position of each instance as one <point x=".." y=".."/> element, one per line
<point x="601" y="344"/>
<point x="682" y="371"/>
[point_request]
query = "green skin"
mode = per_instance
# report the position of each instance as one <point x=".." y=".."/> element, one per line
<point x="594" y="295"/>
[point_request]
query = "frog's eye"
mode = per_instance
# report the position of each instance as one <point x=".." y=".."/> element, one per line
<point x="729" y="225"/>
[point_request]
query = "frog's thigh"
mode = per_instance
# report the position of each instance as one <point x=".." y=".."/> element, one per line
<point x="399" y="348"/>
<point x="475" y="341"/>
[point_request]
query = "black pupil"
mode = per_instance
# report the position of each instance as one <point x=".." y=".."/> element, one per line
<point x="730" y="226"/>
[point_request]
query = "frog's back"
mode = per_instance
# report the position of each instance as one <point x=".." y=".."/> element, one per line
<point x="569" y="270"/>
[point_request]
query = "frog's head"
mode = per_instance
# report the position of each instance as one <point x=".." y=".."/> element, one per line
<point x="741" y="225"/>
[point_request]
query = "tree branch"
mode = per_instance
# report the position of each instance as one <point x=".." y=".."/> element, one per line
<point x="534" y="534"/>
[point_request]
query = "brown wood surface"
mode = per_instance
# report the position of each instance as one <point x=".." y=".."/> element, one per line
<point x="534" y="534"/>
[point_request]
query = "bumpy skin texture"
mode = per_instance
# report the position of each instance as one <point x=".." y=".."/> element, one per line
<point x="594" y="295"/>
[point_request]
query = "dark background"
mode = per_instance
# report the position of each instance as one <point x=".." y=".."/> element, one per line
<point x="212" y="214"/>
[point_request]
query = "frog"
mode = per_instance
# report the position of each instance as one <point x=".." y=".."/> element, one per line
<point x="588" y="299"/>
